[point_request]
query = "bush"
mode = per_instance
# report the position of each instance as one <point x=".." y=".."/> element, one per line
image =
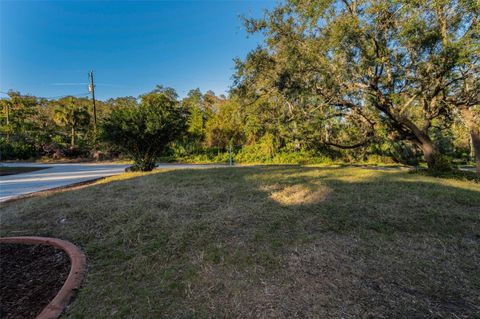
<point x="300" y="157"/>
<point x="442" y="164"/>
<point x="143" y="131"/>
<point x="254" y="154"/>
<point x="403" y="152"/>
<point x="13" y="150"/>
<point x="75" y="152"/>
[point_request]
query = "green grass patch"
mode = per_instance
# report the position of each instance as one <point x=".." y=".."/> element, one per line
<point x="267" y="241"/>
<point x="454" y="173"/>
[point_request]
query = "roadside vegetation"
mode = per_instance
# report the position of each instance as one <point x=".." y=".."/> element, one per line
<point x="271" y="241"/>
<point x="144" y="131"/>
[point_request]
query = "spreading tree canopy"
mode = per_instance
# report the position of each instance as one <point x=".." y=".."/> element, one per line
<point x="408" y="66"/>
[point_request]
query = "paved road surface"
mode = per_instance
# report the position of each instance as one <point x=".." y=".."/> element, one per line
<point x="54" y="175"/>
<point x="57" y="175"/>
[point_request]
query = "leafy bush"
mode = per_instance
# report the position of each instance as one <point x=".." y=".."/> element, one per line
<point x="300" y="157"/>
<point x="12" y="150"/>
<point x="403" y="153"/>
<point x="442" y="164"/>
<point x="143" y="131"/>
<point x="254" y="154"/>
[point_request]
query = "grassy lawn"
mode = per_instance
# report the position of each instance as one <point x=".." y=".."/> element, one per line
<point x="273" y="241"/>
<point x="6" y="170"/>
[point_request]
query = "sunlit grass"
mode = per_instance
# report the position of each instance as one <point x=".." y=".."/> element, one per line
<point x="297" y="194"/>
<point x="123" y="177"/>
<point x="270" y="241"/>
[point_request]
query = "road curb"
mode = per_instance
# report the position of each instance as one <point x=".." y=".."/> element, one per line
<point x="77" y="272"/>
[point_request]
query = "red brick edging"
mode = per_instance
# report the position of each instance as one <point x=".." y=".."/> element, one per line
<point x="77" y="271"/>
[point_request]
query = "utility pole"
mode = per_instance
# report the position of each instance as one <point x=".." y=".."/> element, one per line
<point x="7" y="110"/>
<point x="91" y="89"/>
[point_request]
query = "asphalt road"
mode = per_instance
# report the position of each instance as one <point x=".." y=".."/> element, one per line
<point x="54" y="175"/>
<point x="58" y="175"/>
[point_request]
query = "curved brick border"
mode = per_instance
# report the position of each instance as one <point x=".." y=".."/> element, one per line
<point x="77" y="271"/>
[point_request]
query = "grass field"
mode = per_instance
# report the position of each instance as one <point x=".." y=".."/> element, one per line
<point x="273" y="241"/>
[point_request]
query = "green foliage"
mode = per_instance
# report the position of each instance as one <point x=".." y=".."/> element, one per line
<point x="73" y="115"/>
<point x="344" y="81"/>
<point x="403" y="152"/>
<point x="301" y="157"/>
<point x="194" y="104"/>
<point x="224" y="128"/>
<point x="443" y="164"/>
<point x="347" y="69"/>
<point x="207" y="157"/>
<point x="260" y="152"/>
<point x="12" y="150"/>
<point x="456" y="174"/>
<point x="143" y="131"/>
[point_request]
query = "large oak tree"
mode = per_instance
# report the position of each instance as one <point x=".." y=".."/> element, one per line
<point x="403" y="65"/>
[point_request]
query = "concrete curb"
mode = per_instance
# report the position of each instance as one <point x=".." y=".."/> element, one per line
<point x="77" y="271"/>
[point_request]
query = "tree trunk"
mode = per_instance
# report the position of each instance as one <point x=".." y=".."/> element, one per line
<point x="430" y="153"/>
<point x="472" y="124"/>
<point x="429" y="150"/>
<point x="420" y="136"/>
<point x="475" y="135"/>
<point x="72" y="137"/>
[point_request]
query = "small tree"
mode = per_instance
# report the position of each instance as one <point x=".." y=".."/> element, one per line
<point x="70" y="114"/>
<point x="143" y="131"/>
<point x="224" y="129"/>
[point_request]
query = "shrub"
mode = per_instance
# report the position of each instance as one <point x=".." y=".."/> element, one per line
<point x="143" y="131"/>
<point x="404" y="153"/>
<point x="442" y="164"/>
<point x="13" y="150"/>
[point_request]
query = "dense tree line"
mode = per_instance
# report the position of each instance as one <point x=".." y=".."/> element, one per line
<point x="334" y="80"/>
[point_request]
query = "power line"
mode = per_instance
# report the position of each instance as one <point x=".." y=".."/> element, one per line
<point x="59" y="96"/>
<point x="73" y="95"/>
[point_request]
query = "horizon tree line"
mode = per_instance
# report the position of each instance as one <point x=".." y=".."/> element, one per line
<point x="341" y="79"/>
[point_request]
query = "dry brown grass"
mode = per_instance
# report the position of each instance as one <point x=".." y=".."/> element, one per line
<point x="297" y="194"/>
<point x="267" y="242"/>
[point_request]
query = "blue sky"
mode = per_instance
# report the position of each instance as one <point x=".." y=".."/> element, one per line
<point x="47" y="48"/>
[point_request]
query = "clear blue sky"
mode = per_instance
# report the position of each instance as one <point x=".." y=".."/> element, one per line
<point x="46" y="48"/>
